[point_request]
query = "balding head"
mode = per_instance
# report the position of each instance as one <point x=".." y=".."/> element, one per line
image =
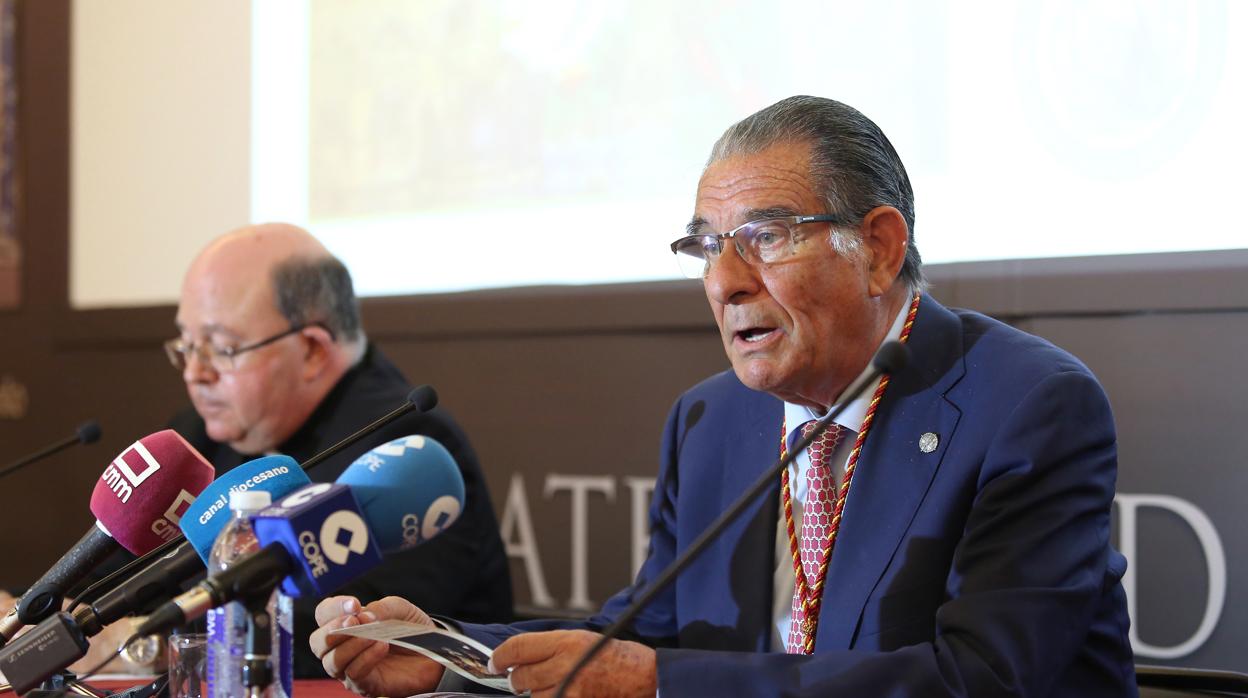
<point x="252" y="285"/>
<point x="253" y="251"/>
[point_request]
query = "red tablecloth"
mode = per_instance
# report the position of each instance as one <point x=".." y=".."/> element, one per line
<point x="326" y="688"/>
<point x="323" y="688"/>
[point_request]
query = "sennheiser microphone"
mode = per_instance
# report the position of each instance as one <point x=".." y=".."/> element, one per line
<point x="137" y="503"/>
<point x="322" y="536"/>
<point x="421" y="399"/>
<point x="87" y="433"/>
<point x="891" y="358"/>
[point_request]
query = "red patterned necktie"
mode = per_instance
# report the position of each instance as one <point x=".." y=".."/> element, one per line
<point x="816" y="521"/>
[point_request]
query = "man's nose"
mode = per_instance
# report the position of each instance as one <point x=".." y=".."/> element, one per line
<point x="730" y="279"/>
<point x="198" y="369"/>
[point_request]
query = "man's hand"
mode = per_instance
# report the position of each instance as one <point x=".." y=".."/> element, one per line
<point x="371" y="667"/>
<point x="539" y="661"/>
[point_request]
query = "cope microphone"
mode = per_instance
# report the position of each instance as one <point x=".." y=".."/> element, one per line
<point x="61" y="639"/>
<point x="322" y="536"/>
<point x="137" y="502"/>
<point x="890" y="359"/>
<point x="87" y="433"/>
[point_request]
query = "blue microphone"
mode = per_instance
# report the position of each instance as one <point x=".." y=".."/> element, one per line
<point x="404" y="492"/>
<point x="210" y="512"/>
<point x="324" y="535"/>
<point x="425" y="472"/>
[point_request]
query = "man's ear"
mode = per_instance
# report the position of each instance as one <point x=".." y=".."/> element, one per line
<point x="885" y="237"/>
<point x="318" y="346"/>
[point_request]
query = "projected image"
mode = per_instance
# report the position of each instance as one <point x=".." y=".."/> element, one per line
<point x="485" y="145"/>
<point x="446" y="145"/>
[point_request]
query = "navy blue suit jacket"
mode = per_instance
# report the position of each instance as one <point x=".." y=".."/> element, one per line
<point x="982" y="568"/>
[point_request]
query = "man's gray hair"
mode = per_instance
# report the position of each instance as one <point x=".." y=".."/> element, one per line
<point x="852" y="164"/>
<point x="318" y="289"/>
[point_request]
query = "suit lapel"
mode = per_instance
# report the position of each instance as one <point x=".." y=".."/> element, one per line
<point x="751" y="553"/>
<point x="893" y="475"/>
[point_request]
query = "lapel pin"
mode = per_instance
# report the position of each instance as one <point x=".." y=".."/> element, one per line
<point x="928" y="442"/>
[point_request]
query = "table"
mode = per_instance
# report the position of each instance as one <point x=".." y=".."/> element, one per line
<point x="304" y="688"/>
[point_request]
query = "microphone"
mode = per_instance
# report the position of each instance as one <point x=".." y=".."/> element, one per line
<point x="432" y="486"/>
<point x="201" y="523"/>
<point x="891" y="358"/>
<point x="137" y="502"/>
<point x="61" y="639"/>
<point x="324" y="535"/>
<point x="421" y="399"/>
<point x="87" y="433"/>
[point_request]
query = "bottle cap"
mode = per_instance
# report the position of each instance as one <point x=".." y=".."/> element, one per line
<point x="250" y="500"/>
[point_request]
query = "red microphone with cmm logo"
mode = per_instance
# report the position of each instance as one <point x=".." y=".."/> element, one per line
<point x="138" y="503"/>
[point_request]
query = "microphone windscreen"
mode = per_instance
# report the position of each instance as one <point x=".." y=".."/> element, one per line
<point x="88" y="432"/>
<point x="409" y="490"/>
<point x="424" y="397"/>
<point x="891" y="358"/>
<point x="143" y="493"/>
<point x="326" y="538"/>
<point x="204" y="519"/>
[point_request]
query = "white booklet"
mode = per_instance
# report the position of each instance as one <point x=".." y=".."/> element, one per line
<point x="462" y="655"/>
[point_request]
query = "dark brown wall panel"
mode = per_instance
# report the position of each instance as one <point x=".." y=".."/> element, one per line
<point x="577" y="381"/>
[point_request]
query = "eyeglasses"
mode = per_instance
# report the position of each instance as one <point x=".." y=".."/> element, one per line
<point x="758" y="242"/>
<point x="222" y="359"/>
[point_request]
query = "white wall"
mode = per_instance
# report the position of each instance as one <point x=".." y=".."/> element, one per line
<point x="160" y="160"/>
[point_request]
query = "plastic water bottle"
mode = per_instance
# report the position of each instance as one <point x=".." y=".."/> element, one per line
<point x="227" y="625"/>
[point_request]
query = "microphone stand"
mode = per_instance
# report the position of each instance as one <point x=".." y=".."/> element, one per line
<point x="257" y="669"/>
<point x="889" y="359"/>
<point x="423" y="398"/>
<point x="88" y="432"/>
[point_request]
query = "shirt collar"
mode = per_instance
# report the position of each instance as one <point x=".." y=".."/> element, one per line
<point x="797" y="415"/>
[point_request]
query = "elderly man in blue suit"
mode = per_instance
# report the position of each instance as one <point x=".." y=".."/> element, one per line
<point x="949" y="537"/>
